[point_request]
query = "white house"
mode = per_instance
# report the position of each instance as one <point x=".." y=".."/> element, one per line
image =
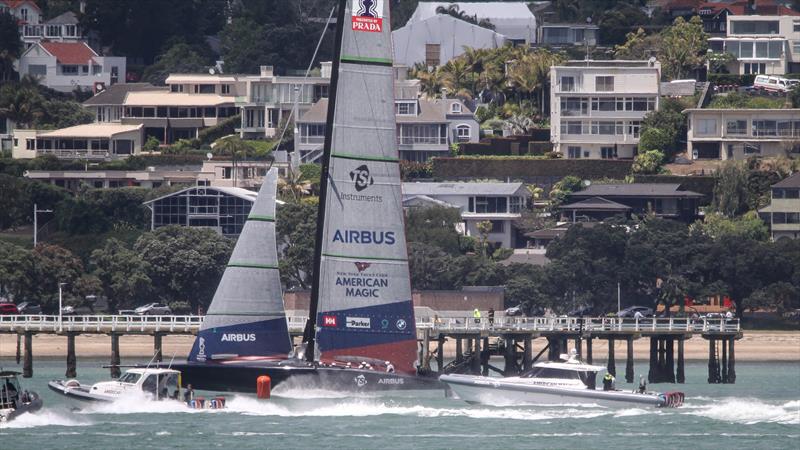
<point x="101" y="141"/>
<point x="66" y="66"/>
<point x="513" y="20"/>
<point x="762" y="44"/>
<point x="499" y="203"/>
<point x="567" y="34"/>
<point x="741" y="133"/>
<point x="29" y="18"/>
<point x="440" y="38"/>
<point x="597" y="107"/>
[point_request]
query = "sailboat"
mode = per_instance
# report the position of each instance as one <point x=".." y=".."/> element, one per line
<point x="361" y="331"/>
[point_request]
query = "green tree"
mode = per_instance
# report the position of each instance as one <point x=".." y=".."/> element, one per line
<point x="152" y="144"/>
<point x="435" y="227"/>
<point x="654" y="139"/>
<point x="49" y="266"/>
<point x="22" y="103"/>
<point x="616" y="22"/>
<point x="562" y="189"/>
<point x="683" y="48"/>
<point x="179" y="58"/>
<point x="185" y="264"/>
<point x="731" y="194"/>
<point x="669" y="120"/>
<point x="296" y="227"/>
<point x="10" y="45"/>
<point x="749" y="226"/>
<point x="638" y="45"/>
<point x="15" y="264"/>
<point x="484" y="228"/>
<point x="648" y="162"/>
<point x="122" y="274"/>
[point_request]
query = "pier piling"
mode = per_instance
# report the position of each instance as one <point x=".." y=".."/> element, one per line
<point x="527" y="355"/>
<point x="440" y="353"/>
<point x="680" y="375"/>
<point x="71" y="371"/>
<point x="651" y="373"/>
<point x="459" y="350"/>
<point x="27" y="363"/>
<point x="629" y="361"/>
<point x="731" y="361"/>
<point x="19" y="348"/>
<point x="612" y="366"/>
<point x="157" y="347"/>
<point x="724" y="365"/>
<point x="713" y="364"/>
<point x="114" y="368"/>
<point x="589" y="350"/>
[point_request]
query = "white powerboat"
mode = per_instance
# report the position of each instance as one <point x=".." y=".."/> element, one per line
<point x="553" y="383"/>
<point x="153" y="383"/>
<point x="13" y="399"/>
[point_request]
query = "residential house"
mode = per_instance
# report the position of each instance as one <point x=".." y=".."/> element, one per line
<point x="499" y="203"/>
<point x="67" y="66"/>
<point x="568" y="34"/>
<point x="222" y="209"/>
<point x="514" y="20"/>
<point x="267" y="100"/>
<point x="740" y="133"/>
<point x="782" y="215"/>
<point x="425" y="128"/>
<point x="601" y="201"/>
<point x="101" y="141"/>
<point x="29" y="18"/>
<point x="437" y="39"/>
<point x="108" y="103"/>
<point x="597" y="107"/>
<point x="764" y="42"/>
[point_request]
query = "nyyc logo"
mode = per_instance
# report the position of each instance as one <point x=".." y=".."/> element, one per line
<point x="364" y="237"/>
<point x="361" y="177"/>
<point x="238" y="337"/>
<point x="362" y="266"/>
<point x="328" y="321"/>
<point x="201" y="349"/>
<point x="368" y="15"/>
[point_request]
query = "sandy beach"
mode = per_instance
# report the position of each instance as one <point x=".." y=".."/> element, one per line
<point x="754" y="346"/>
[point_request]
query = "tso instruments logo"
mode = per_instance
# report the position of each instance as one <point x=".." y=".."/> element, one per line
<point x="367" y="15"/>
<point x="361" y="177"/>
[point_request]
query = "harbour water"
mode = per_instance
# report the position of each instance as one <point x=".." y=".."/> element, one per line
<point x="762" y="410"/>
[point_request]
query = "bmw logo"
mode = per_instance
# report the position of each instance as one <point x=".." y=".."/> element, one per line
<point x="400" y="324"/>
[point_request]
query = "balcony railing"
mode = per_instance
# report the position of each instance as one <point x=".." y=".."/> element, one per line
<point x="76" y="153"/>
<point x="413" y="140"/>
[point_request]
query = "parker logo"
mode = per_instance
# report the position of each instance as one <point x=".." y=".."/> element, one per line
<point x="362" y="266"/>
<point x="368" y="15"/>
<point x="238" y="337"/>
<point x="361" y="177"/>
<point x="358" y="322"/>
<point x="328" y="321"/>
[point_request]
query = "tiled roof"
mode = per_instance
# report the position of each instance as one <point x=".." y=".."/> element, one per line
<point x="790" y="182"/>
<point x="70" y="52"/>
<point x="14" y="3"/>
<point x="739" y="8"/>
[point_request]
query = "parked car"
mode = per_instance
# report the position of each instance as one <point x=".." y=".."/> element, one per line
<point x="631" y="311"/>
<point x="29" y="308"/>
<point x="8" y="309"/>
<point x="582" y="311"/>
<point x="514" y="311"/>
<point x="153" y="309"/>
<point x="67" y="310"/>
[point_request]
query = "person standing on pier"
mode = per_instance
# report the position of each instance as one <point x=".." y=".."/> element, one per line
<point x="476" y="314"/>
<point x="491" y="316"/>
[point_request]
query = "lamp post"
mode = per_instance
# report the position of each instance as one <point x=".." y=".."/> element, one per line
<point x="60" y="307"/>
<point x="36" y="222"/>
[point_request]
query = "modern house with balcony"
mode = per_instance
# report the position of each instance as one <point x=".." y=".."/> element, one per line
<point x="740" y="133"/>
<point x="267" y="100"/>
<point x="597" y="107"/>
<point x="601" y="201"/>
<point x="568" y="34"/>
<point x="762" y="44"/>
<point x="67" y="66"/>
<point x="425" y="128"/>
<point x="98" y="141"/>
<point x="499" y="203"/>
<point x="782" y="215"/>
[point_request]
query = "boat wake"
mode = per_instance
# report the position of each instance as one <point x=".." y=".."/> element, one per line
<point x="750" y="411"/>
<point x="44" y="418"/>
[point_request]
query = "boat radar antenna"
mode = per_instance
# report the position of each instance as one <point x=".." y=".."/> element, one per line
<point x="171" y="360"/>
<point x="152" y="359"/>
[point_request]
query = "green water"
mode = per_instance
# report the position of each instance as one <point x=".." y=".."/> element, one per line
<point x="762" y="410"/>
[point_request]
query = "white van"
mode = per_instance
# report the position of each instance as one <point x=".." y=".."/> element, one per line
<point x="774" y="84"/>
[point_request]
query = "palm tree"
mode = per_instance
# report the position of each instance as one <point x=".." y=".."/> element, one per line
<point x="294" y="185"/>
<point x="429" y="79"/>
<point x="21" y="103"/>
<point x="457" y="77"/>
<point x="234" y="147"/>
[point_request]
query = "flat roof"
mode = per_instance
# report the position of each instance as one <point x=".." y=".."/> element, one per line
<point x="91" y="130"/>
<point x="462" y="188"/>
<point x="115" y="94"/>
<point x="595" y="204"/>
<point x="635" y="190"/>
<point x="198" y="78"/>
<point x="154" y="98"/>
<point x="689" y="110"/>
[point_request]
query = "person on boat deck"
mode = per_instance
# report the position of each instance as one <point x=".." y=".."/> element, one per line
<point x="642" y="384"/>
<point x="608" y="382"/>
<point x="476" y="315"/>
<point x="389" y="367"/>
<point x="188" y="396"/>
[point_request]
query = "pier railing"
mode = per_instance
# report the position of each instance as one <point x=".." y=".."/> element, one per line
<point x="134" y="324"/>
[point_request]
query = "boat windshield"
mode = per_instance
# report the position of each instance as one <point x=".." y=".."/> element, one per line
<point x="552" y="372"/>
<point x="130" y="377"/>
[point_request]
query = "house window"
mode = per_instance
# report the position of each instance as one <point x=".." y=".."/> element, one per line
<point x="69" y="70"/>
<point x="463" y="133"/>
<point x="706" y="127"/>
<point x="432" y="54"/>
<point x="765" y="128"/>
<point x="455" y="108"/>
<point x="405" y="108"/>
<point x="567" y="84"/>
<point x="176" y="88"/>
<point x="752" y="149"/>
<point x="515" y="204"/>
<point x="497" y="226"/>
<point x="203" y="88"/>
<point x="755" y="68"/>
<point x="604" y="128"/>
<point x="123" y="147"/>
<point x="85" y="70"/>
<point x="30" y="144"/>
<point x="574" y="152"/>
<point x="572" y="127"/>
<point x="738" y="127"/>
<point x="485" y="205"/>
<point x="792" y="193"/>
<point x="603" y="104"/>
<point x="608" y="152"/>
<point x="37" y="70"/>
<point x="574" y="106"/>
<point x="70" y="31"/>
<point x="53" y="30"/>
<point x="604" y="84"/>
<point x="23" y="13"/>
<point x="226" y="88"/>
<point x="634" y="128"/>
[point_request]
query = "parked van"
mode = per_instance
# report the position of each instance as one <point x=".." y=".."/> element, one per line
<point x="774" y="84"/>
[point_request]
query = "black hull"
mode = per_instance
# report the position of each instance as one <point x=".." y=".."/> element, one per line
<point x="241" y="377"/>
<point x="34" y="405"/>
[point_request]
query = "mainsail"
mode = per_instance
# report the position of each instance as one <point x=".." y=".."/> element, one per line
<point x="362" y="295"/>
<point x="246" y="317"/>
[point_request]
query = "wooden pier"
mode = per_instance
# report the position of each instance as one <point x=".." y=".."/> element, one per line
<point x="475" y="341"/>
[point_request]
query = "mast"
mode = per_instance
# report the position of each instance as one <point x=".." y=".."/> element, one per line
<point x="310" y="331"/>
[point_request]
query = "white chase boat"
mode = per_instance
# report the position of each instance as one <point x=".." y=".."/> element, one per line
<point x="152" y="383"/>
<point x="553" y="383"/>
